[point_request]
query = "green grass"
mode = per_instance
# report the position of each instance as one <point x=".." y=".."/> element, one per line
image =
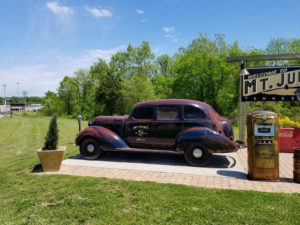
<point x="61" y="199"/>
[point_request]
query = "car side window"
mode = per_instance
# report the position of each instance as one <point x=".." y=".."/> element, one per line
<point x="191" y="112"/>
<point x="168" y="113"/>
<point x="143" y="113"/>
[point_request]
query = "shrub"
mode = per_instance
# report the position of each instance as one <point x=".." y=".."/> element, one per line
<point x="287" y="122"/>
<point x="51" y="138"/>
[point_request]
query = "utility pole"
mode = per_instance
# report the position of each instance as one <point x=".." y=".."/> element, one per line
<point x="18" y="92"/>
<point x="4" y="86"/>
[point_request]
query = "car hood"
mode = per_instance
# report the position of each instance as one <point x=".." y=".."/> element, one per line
<point x="107" y="119"/>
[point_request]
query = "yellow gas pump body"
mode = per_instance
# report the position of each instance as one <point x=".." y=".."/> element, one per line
<point x="263" y="149"/>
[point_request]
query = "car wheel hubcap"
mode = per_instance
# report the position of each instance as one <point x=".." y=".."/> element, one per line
<point x="197" y="153"/>
<point x="90" y="148"/>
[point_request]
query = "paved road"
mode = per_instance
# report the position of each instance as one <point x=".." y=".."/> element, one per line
<point x="2" y="114"/>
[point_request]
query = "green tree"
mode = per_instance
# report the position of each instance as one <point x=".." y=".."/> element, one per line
<point x="86" y="92"/>
<point x="51" y="104"/>
<point x="278" y="46"/>
<point x="136" y="89"/>
<point x="107" y="88"/>
<point x="67" y="93"/>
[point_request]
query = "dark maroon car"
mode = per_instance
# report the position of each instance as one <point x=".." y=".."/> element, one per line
<point x="187" y="126"/>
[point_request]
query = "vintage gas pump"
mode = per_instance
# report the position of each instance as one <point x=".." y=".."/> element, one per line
<point x="263" y="150"/>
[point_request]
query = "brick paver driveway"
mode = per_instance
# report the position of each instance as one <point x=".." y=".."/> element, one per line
<point x="229" y="171"/>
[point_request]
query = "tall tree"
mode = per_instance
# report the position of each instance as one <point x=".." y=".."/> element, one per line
<point x="108" y="86"/>
<point x="51" y="104"/>
<point x="278" y="46"/>
<point x="67" y="93"/>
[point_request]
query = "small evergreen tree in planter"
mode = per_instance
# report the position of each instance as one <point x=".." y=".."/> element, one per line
<point x="50" y="155"/>
<point x="51" y="138"/>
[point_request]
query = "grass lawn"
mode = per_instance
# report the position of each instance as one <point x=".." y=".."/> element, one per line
<point x="27" y="198"/>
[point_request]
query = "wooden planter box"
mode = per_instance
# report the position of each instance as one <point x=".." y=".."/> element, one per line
<point x="51" y="159"/>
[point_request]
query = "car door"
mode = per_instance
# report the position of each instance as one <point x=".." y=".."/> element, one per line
<point x="195" y="117"/>
<point x="139" y="128"/>
<point x="168" y="125"/>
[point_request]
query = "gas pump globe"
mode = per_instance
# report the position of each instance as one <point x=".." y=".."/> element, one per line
<point x="263" y="150"/>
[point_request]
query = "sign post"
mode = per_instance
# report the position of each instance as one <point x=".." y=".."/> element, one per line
<point x="242" y="105"/>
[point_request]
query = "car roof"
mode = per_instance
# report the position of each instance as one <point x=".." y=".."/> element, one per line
<point x="174" y="102"/>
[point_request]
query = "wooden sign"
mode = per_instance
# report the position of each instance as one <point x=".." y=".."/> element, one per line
<point x="271" y="83"/>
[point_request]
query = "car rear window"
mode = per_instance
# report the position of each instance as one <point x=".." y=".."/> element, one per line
<point x="191" y="112"/>
<point x="168" y="113"/>
<point x="143" y="113"/>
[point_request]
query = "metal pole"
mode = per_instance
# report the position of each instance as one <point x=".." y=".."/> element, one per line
<point x="18" y="92"/>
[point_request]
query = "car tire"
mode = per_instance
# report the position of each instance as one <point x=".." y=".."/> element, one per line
<point x="197" y="155"/>
<point x="90" y="149"/>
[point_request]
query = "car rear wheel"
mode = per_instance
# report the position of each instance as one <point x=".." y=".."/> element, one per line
<point x="197" y="155"/>
<point x="90" y="149"/>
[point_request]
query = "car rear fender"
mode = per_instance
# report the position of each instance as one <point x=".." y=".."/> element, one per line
<point x="208" y="138"/>
<point x="103" y="136"/>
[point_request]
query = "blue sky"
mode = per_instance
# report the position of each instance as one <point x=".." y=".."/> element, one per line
<point x="41" y="41"/>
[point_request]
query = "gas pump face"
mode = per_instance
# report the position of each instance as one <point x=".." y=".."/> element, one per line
<point x="264" y="133"/>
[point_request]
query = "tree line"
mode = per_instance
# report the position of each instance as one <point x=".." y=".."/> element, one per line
<point x="21" y="100"/>
<point x="198" y="71"/>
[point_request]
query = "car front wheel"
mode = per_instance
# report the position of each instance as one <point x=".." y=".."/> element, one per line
<point x="90" y="149"/>
<point x="197" y="155"/>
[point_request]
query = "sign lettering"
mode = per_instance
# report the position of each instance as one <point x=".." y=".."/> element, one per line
<point x="271" y="84"/>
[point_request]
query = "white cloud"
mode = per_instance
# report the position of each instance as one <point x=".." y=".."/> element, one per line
<point x="38" y="79"/>
<point x="86" y="58"/>
<point x="168" y="29"/>
<point x="169" y="36"/>
<point x="157" y="50"/>
<point x="99" y="12"/>
<point x="57" y="9"/>
<point x="139" y="11"/>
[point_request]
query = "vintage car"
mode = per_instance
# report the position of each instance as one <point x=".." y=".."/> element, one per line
<point x="186" y="126"/>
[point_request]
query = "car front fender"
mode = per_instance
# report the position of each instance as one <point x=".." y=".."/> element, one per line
<point x="213" y="141"/>
<point x="103" y="136"/>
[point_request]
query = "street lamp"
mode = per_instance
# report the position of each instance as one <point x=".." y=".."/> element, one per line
<point x="297" y="93"/>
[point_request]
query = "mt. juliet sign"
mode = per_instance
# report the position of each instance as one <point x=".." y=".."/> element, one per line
<point x="271" y="84"/>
